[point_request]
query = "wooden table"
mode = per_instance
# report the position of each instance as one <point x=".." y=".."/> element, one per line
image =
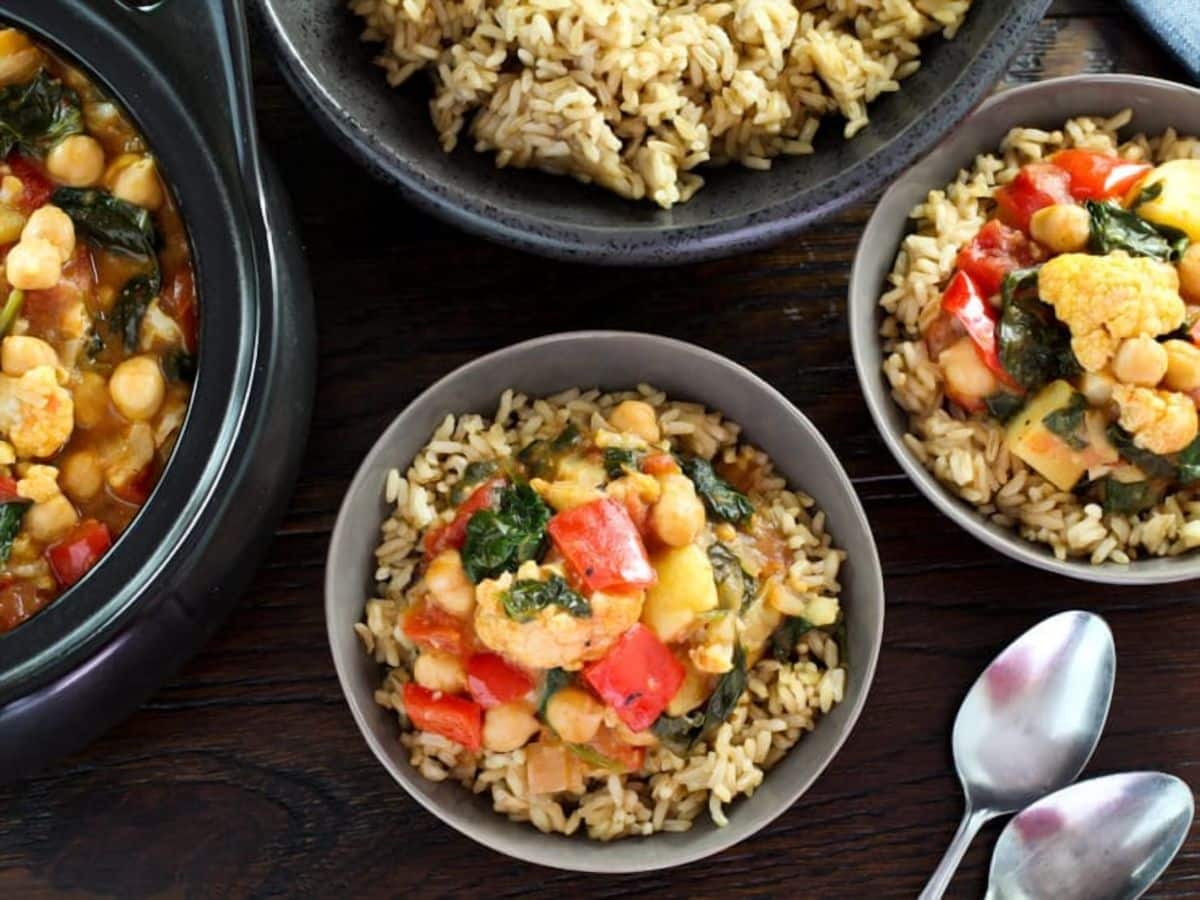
<point x="245" y="774"/>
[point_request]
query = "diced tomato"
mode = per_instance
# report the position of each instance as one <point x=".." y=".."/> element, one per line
<point x="942" y="332"/>
<point x="1194" y="333"/>
<point x="37" y="188"/>
<point x="456" y="718"/>
<point x="179" y="302"/>
<point x="994" y="252"/>
<point x="965" y="302"/>
<point x="659" y="464"/>
<point x="1037" y="185"/>
<point x="602" y="545"/>
<point x="493" y="681"/>
<point x="434" y="629"/>
<point x="1099" y="176"/>
<point x="137" y="489"/>
<point x="638" y="509"/>
<point x="637" y="678"/>
<point x="609" y="745"/>
<point x="72" y="557"/>
<point x="452" y="534"/>
<point x="18" y="601"/>
<point x="8" y="490"/>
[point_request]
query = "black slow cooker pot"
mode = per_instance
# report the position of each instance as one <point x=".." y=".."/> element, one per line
<point x="180" y="68"/>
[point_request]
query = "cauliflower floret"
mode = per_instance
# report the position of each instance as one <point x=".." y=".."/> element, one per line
<point x="38" y="483"/>
<point x="553" y="637"/>
<point x="36" y="414"/>
<point x="1160" y="421"/>
<point x="1104" y="299"/>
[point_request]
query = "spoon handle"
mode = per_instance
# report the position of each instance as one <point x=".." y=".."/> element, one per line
<point x="972" y="821"/>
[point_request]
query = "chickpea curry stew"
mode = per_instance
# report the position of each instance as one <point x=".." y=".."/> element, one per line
<point x="98" y="325"/>
<point x="1074" y="317"/>
<point x="603" y="593"/>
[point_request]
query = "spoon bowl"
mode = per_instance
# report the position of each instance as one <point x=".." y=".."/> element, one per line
<point x="1105" y="839"/>
<point x="1029" y="724"/>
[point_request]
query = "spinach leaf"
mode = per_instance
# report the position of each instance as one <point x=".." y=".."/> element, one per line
<point x="616" y="461"/>
<point x="723" y="500"/>
<point x="499" y="540"/>
<point x="539" y="457"/>
<point x="1146" y="194"/>
<point x="594" y="757"/>
<point x="843" y="641"/>
<point x="1128" y="498"/>
<point x="130" y="307"/>
<point x="681" y="732"/>
<point x="526" y="598"/>
<point x="11" y="514"/>
<point x="108" y="221"/>
<point x="1067" y="421"/>
<point x="472" y="475"/>
<point x="1151" y="463"/>
<point x="1035" y="348"/>
<point x="787" y="635"/>
<point x="1189" y="463"/>
<point x="38" y="114"/>
<point x="1004" y="405"/>
<point x="556" y="679"/>
<point x="95" y="346"/>
<point x="1116" y="228"/>
<point x="12" y="309"/>
<point x="735" y="586"/>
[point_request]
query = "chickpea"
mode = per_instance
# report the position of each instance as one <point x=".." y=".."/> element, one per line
<point x="448" y="584"/>
<point x="1183" y="366"/>
<point x="19" y="58"/>
<point x="137" y="387"/>
<point x="33" y="265"/>
<point x="19" y="353"/>
<point x="636" y="417"/>
<point x="1061" y="228"/>
<point x="138" y="183"/>
<point x="439" y="671"/>
<point x="12" y="222"/>
<point x="1096" y="387"/>
<point x="50" y="520"/>
<point x="575" y="714"/>
<point x="76" y="161"/>
<point x="91" y="400"/>
<point x="81" y="476"/>
<point x="52" y="224"/>
<point x="1189" y="273"/>
<point x="508" y="727"/>
<point x="1140" y="360"/>
<point x="678" y="516"/>
<point x="968" y="379"/>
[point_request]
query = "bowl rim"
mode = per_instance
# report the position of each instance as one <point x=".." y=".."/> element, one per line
<point x="865" y="340"/>
<point x="673" y="246"/>
<point x="611" y="862"/>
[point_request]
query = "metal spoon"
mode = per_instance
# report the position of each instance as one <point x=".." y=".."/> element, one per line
<point x="1105" y="839"/>
<point x="1029" y="724"/>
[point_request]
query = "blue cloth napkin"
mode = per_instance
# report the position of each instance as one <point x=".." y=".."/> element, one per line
<point x="1176" y="25"/>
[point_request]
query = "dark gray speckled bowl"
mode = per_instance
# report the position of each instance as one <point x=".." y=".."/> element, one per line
<point x="390" y="133"/>
<point x="613" y="360"/>
<point x="1157" y="105"/>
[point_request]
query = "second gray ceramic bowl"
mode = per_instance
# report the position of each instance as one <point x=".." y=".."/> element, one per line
<point x="612" y="360"/>
<point x="1157" y="105"/>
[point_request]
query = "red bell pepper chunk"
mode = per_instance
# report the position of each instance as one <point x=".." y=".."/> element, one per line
<point x="493" y="681"/>
<point x="994" y="252"/>
<point x="602" y="545"/>
<point x="1099" y="176"/>
<point x="456" y="718"/>
<point x="434" y="629"/>
<point x="1035" y="186"/>
<point x="453" y="535"/>
<point x="72" y="557"/>
<point x="36" y="187"/>
<point x="637" y="678"/>
<point x="965" y="302"/>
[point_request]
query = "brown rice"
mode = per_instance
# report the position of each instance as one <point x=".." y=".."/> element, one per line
<point x="635" y="94"/>
<point x="967" y="453"/>
<point x="782" y="702"/>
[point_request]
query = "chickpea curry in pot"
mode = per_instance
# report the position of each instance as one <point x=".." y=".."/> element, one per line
<point x="98" y="325"/>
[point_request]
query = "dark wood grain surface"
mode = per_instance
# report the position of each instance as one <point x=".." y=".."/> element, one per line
<point x="245" y="774"/>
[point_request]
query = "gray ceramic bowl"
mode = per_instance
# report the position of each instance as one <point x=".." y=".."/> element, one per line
<point x="1157" y="105"/>
<point x="611" y="360"/>
<point x="390" y="133"/>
